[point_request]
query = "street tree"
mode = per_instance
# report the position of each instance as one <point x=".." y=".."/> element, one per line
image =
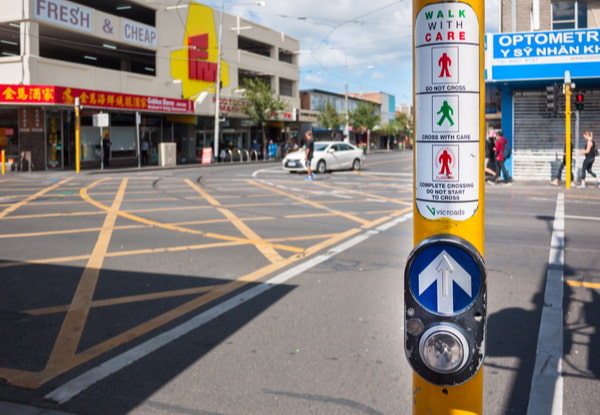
<point x="329" y="118"/>
<point x="263" y="104"/>
<point x="366" y="115"/>
<point x="389" y="130"/>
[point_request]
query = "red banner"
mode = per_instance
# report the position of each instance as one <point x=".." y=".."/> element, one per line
<point x="50" y="94"/>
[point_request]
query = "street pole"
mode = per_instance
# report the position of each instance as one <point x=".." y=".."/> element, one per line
<point x="444" y="333"/>
<point x="347" y="116"/>
<point x="137" y="138"/>
<point x="567" y="89"/>
<point x="218" y="82"/>
<point x="77" y="136"/>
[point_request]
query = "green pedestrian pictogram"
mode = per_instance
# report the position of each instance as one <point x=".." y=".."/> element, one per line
<point x="447" y="111"/>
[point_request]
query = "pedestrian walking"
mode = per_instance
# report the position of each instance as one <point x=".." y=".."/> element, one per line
<point x="590" y="156"/>
<point x="563" y="163"/>
<point x="490" y="157"/>
<point x="501" y="143"/>
<point x="309" y="147"/>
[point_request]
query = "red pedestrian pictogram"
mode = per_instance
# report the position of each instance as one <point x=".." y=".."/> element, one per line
<point x="445" y="62"/>
<point x="445" y="159"/>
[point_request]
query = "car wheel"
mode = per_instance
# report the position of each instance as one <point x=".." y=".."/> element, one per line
<point x="321" y="167"/>
<point x="356" y="164"/>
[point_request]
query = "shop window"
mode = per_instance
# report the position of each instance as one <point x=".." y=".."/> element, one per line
<point x="569" y="15"/>
<point x="8" y="133"/>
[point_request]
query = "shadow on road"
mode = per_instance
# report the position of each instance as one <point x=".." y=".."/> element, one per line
<point x="126" y="305"/>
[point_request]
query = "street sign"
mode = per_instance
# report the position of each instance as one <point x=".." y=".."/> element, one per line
<point x="447" y="100"/>
<point x="100" y="120"/>
<point x="445" y="278"/>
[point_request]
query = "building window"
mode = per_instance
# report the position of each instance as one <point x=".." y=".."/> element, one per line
<point x="254" y="46"/>
<point x="10" y="43"/>
<point x="286" y="87"/>
<point x="285" y="56"/>
<point x="569" y="15"/>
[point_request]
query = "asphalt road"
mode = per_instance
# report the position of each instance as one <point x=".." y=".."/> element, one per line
<point x="241" y="289"/>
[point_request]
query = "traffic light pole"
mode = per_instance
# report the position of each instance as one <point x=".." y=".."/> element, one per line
<point x="445" y="277"/>
<point x="568" y="173"/>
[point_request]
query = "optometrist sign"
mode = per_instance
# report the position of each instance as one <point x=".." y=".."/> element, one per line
<point x="447" y="98"/>
<point x="543" y="55"/>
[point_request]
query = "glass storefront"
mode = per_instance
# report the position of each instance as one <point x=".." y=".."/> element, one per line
<point x="55" y="150"/>
<point x="9" y="134"/>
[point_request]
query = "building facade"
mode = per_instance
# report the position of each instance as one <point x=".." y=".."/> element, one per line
<point x="313" y="101"/>
<point x="151" y="68"/>
<point x="543" y="45"/>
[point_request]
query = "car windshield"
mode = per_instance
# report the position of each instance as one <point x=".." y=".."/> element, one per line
<point x="320" y="146"/>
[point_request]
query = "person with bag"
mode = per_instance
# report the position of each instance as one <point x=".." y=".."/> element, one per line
<point x="590" y="156"/>
<point x="502" y="154"/>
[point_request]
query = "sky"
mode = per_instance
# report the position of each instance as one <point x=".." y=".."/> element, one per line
<point x="364" y="43"/>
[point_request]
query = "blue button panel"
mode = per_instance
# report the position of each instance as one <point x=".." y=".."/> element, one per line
<point x="445" y="278"/>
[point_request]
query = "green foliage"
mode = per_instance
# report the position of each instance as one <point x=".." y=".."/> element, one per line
<point x="403" y="121"/>
<point x="263" y="104"/>
<point x="329" y="118"/>
<point x="365" y="115"/>
<point x="390" y="128"/>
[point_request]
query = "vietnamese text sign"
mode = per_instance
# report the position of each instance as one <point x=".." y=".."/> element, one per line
<point x="543" y="55"/>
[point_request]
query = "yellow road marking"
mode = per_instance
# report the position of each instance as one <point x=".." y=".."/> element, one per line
<point x="346" y="215"/>
<point x="592" y="285"/>
<point x="52" y="215"/>
<point x="265" y="249"/>
<point x="64" y="360"/>
<point x="185" y="230"/>
<point x="23" y="202"/>
<point x="123" y="227"/>
<point x="34" y="380"/>
<point x="61" y="260"/>
<point x="65" y="346"/>
<point x="368" y="195"/>
<point x="123" y="300"/>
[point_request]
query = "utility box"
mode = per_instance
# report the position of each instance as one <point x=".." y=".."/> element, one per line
<point x="167" y="154"/>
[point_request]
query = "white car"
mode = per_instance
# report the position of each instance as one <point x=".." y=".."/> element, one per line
<point x="327" y="155"/>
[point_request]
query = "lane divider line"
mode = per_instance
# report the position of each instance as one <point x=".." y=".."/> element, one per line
<point x="546" y="395"/>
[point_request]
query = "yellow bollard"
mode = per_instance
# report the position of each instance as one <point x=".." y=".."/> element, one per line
<point x="3" y="162"/>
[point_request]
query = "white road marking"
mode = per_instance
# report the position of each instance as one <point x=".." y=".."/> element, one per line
<point x="546" y="395"/>
<point x="77" y="385"/>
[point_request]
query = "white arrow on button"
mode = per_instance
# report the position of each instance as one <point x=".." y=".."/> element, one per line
<point x="445" y="270"/>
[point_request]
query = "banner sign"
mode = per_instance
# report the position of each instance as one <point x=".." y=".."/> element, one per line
<point x="543" y="55"/>
<point x="58" y="95"/>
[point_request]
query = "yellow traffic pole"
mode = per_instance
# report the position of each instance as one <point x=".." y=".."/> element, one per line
<point x="77" y="136"/>
<point x="449" y="102"/>
<point x="3" y="162"/>
<point x="568" y="133"/>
